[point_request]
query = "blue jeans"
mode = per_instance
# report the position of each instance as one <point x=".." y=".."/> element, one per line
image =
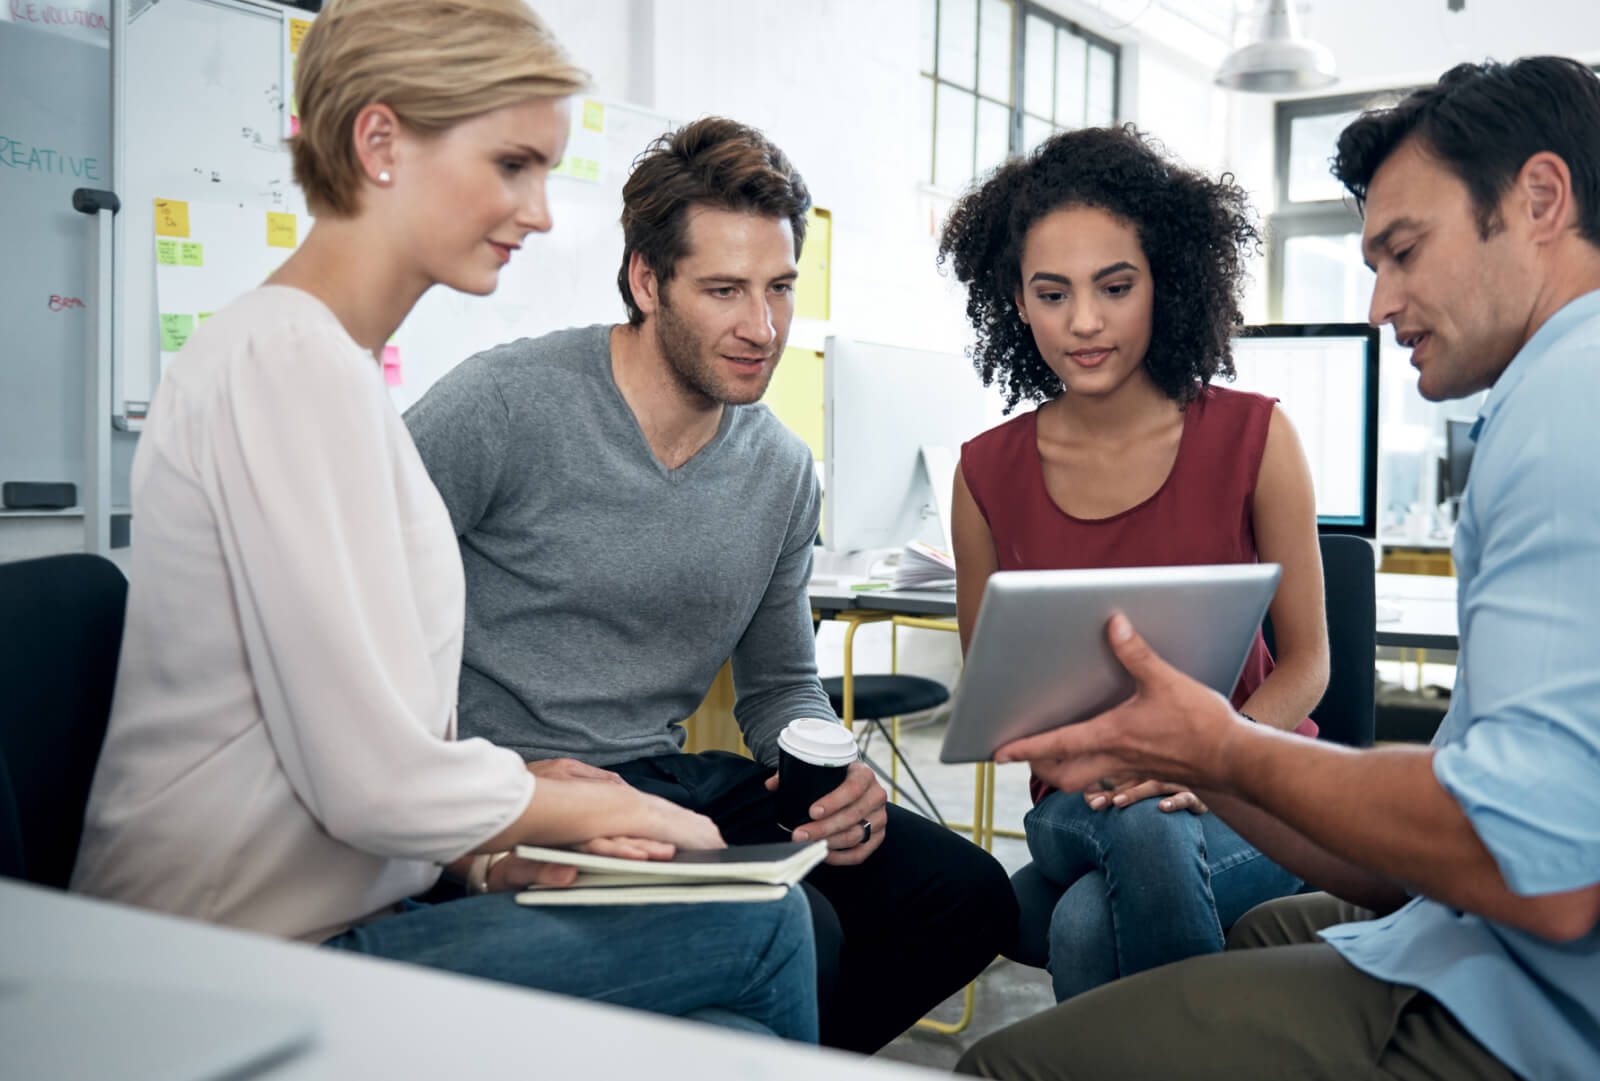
<point x="750" y="966"/>
<point x="1144" y="886"/>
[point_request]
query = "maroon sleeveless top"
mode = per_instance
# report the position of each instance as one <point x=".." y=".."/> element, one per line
<point x="1200" y="514"/>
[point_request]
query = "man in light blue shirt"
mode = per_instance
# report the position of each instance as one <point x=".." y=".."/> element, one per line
<point x="1460" y="933"/>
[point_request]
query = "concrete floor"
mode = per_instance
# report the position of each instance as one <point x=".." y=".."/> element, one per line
<point x="1006" y="991"/>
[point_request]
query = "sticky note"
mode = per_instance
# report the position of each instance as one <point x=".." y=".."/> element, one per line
<point x="391" y="365"/>
<point x="193" y="253"/>
<point x="203" y="316"/>
<point x="297" y="32"/>
<point x="175" y="330"/>
<point x="594" y="116"/>
<point x="294" y="125"/>
<point x="167" y="251"/>
<point x="280" y="230"/>
<point x="172" y="217"/>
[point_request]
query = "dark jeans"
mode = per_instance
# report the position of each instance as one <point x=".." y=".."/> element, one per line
<point x="897" y="934"/>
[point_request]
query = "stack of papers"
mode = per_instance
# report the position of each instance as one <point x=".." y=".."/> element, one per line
<point x="922" y="566"/>
<point x="736" y="873"/>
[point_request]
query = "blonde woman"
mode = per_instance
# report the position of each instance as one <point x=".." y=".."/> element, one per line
<point x="281" y="754"/>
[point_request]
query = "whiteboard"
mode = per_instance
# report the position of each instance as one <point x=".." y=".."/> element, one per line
<point x="204" y="118"/>
<point x="202" y="121"/>
<point x="54" y="138"/>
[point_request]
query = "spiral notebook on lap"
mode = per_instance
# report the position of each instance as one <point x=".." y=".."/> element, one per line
<point x="737" y="873"/>
<point x="1039" y="657"/>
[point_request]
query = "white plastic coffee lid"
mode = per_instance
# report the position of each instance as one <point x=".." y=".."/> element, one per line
<point x="822" y="743"/>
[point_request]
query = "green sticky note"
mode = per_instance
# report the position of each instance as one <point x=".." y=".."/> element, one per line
<point x="193" y="253"/>
<point x="167" y="252"/>
<point x="175" y="330"/>
<point x="203" y="316"/>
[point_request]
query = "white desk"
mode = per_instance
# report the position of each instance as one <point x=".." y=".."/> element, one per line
<point x="379" y="1019"/>
<point x="1425" y="606"/>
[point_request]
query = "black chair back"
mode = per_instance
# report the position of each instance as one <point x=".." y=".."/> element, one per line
<point x="60" y="635"/>
<point x="1348" y="711"/>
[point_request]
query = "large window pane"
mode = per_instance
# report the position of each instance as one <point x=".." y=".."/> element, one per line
<point x="1312" y="141"/>
<point x="1072" y="66"/>
<point x="994" y="50"/>
<point x="952" y="158"/>
<point x="1102" y="98"/>
<point x="994" y="135"/>
<point x="925" y="34"/>
<point x="1324" y="280"/>
<point x="1034" y="132"/>
<point x="1038" y="66"/>
<point x="958" y="41"/>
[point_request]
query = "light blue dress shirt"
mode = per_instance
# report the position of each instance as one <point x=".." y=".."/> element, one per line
<point x="1520" y="746"/>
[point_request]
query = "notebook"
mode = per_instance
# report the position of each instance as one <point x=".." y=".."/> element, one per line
<point x="737" y="873"/>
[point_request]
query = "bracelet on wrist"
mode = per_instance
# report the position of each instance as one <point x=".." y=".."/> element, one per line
<point x="478" y="870"/>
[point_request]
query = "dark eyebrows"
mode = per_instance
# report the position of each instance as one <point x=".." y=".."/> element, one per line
<point x="719" y="280"/>
<point x="1106" y="272"/>
<point x="1102" y="273"/>
<point x="1383" y="239"/>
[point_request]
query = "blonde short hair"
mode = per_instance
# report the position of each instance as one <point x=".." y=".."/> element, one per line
<point x="434" y="62"/>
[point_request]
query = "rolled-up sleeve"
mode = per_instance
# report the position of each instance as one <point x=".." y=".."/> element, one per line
<point x="1525" y="763"/>
<point x="349" y="594"/>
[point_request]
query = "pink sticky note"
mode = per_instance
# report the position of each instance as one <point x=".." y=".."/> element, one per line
<point x="294" y="125"/>
<point x="391" y="365"/>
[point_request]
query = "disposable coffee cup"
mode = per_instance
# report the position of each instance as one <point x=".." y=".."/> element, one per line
<point x="813" y="755"/>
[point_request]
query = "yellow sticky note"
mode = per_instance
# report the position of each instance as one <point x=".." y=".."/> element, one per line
<point x="203" y="316"/>
<point x="594" y="116"/>
<point x="586" y="169"/>
<point x="280" y="230"/>
<point x="297" y="31"/>
<point x="167" y="251"/>
<point x="175" y="330"/>
<point x="172" y="217"/>
<point x="193" y="253"/>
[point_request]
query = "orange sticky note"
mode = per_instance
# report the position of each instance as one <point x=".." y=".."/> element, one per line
<point x="172" y="218"/>
<point x="280" y="230"/>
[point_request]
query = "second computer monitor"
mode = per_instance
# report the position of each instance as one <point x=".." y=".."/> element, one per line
<point x="1325" y="376"/>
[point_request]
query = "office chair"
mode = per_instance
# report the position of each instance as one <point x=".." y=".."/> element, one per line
<point x="882" y="697"/>
<point x="59" y="641"/>
<point x="1347" y="713"/>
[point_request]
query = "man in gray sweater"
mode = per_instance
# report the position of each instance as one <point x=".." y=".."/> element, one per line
<point x="630" y="517"/>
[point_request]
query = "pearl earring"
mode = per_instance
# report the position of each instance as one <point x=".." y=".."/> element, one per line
<point x="383" y="177"/>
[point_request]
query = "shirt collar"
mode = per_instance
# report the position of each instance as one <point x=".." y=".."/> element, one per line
<point x="1568" y="316"/>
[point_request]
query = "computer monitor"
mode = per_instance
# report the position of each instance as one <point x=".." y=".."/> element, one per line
<point x="1458" y="446"/>
<point x="882" y="404"/>
<point x="1325" y="376"/>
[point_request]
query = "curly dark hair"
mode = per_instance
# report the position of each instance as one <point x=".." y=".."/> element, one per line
<point x="1194" y="231"/>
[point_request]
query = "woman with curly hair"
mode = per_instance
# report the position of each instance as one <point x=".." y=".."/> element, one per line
<point x="1103" y="281"/>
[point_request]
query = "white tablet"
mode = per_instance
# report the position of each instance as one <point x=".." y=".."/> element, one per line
<point x="1039" y="657"/>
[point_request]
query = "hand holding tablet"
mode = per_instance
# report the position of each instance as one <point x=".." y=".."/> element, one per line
<point x="1040" y="657"/>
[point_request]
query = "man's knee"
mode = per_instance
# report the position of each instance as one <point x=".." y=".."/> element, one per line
<point x="1288" y="921"/>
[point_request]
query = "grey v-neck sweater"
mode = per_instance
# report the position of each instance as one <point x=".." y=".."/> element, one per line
<point x="603" y="589"/>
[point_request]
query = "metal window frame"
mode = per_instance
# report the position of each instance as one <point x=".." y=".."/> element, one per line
<point x="1020" y="11"/>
